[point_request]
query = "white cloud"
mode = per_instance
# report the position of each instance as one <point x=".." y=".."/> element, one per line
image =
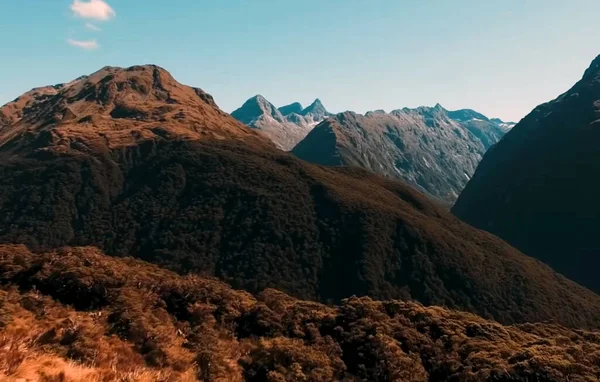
<point x="93" y="9"/>
<point x="87" y="45"/>
<point x="93" y="27"/>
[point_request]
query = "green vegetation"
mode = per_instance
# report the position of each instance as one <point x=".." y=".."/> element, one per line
<point x="256" y="218"/>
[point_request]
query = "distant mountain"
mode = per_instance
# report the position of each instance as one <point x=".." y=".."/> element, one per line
<point x="285" y="126"/>
<point x="316" y="111"/>
<point x="134" y="163"/>
<point x="505" y="125"/>
<point x="255" y="108"/>
<point x="294" y="108"/>
<point x="538" y="187"/>
<point x="431" y="148"/>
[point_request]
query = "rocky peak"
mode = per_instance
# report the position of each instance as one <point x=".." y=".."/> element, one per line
<point x="295" y="107"/>
<point x="257" y="107"/>
<point x="464" y="115"/>
<point x="316" y="110"/>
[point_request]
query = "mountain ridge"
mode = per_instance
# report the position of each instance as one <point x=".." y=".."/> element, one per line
<point x="285" y="126"/>
<point x="236" y="208"/>
<point x="424" y="146"/>
<point x="114" y="107"/>
<point x="534" y="187"/>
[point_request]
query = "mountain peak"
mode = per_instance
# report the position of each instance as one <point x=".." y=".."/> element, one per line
<point x="316" y="110"/>
<point x="464" y="115"/>
<point x="113" y="107"/>
<point x="254" y="108"/>
<point x="293" y="108"/>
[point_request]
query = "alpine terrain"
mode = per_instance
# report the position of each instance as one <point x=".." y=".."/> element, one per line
<point x="537" y="187"/>
<point x="285" y="126"/>
<point x="431" y="148"/>
<point x="136" y="164"/>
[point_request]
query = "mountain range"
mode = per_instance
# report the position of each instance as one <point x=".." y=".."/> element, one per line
<point x="431" y="148"/>
<point x="178" y="182"/>
<point x="341" y="273"/>
<point x="285" y="126"/>
<point x="537" y="187"/>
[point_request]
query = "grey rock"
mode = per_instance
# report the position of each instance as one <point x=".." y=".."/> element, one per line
<point x="425" y="146"/>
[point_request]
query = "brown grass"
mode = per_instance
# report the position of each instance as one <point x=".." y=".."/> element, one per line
<point x="125" y="320"/>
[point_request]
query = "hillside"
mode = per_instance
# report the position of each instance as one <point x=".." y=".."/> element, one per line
<point x="76" y="314"/>
<point x="285" y="126"/>
<point x="113" y="108"/>
<point x="257" y="217"/>
<point x="537" y="187"/>
<point x="433" y="149"/>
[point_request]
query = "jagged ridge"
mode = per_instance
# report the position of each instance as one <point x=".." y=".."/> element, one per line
<point x="431" y="148"/>
<point x="285" y="126"/>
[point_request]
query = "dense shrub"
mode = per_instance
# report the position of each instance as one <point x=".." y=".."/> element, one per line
<point x="156" y="325"/>
<point x="256" y="218"/>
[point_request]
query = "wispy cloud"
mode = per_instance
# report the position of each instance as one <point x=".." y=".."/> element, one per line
<point x="87" y="44"/>
<point x="93" y="9"/>
<point x="93" y="27"/>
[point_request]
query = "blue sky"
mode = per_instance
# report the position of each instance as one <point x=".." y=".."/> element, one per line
<point x="501" y="58"/>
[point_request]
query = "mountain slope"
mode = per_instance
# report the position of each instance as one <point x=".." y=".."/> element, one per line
<point x="76" y="314"/>
<point x="114" y="108"/>
<point x="537" y="187"/>
<point x="295" y="108"/>
<point x="430" y="148"/>
<point x="285" y="126"/>
<point x="256" y="217"/>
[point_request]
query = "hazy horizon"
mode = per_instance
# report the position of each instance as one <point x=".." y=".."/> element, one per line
<point x="499" y="59"/>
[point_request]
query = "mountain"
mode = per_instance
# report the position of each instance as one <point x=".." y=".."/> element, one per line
<point x="285" y="126"/>
<point x="537" y="187"/>
<point x="505" y="125"/>
<point x="76" y="314"/>
<point x="113" y="108"/>
<point x="429" y="147"/>
<point x="294" y="108"/>
<point x="227" y="203"/>
<point x="315" y="112"/>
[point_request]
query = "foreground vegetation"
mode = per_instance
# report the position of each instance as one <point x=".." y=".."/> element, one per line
<point x="77" y="314"/>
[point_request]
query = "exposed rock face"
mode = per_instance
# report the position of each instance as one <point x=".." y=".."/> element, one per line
<point x="112" y="108"/>
<point x="285" y="126"/>
<point x="294" y="108"/>
<point x="429" y="147"/>
<point x="538" y="187"/>
<point x="315" y="112"/>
